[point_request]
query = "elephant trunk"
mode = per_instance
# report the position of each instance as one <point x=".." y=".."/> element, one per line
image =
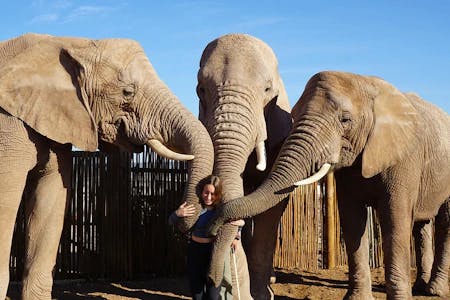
<point x="179" y="130"/>
<point x="235" y="134"/>
<point x="198" y="144"/>
<point x="229" y="167"/>
<point x="309" y="145"/>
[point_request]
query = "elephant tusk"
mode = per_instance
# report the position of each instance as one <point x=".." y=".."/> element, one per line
<point x="261" y="156"/>
<point x="162" y="150"/>
<point x="315" y="177"/>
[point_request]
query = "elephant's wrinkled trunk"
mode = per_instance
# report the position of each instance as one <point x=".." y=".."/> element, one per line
<point x="309" y="145"/>
<point x="235" y="134"/>
<point x="229" y="167"/>
<point x="180" y="130"/>
<point x="197" y="142"/>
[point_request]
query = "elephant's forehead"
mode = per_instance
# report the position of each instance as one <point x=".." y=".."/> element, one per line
<point x="238" y="67"/>
<point x="235" y="51"/>
<point x="341" y="87"/>
<point x="138" y="69"/>
<point x="333" y="92"/>
<point x="228" y="67"/>
<point x="337" y="82"/>
<point x="120" y="50"/>
<point x="239" y="44"/>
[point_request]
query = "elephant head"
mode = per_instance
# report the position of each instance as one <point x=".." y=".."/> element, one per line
<point x="339" y="118"/>
<point x="77" y="91"/>
<point x="239" y="89"/>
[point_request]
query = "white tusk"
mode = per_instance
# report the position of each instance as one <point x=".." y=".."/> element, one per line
<point x="163" y="151"/>
<point x="261" y="156"/>
<point x="315" y="177"/>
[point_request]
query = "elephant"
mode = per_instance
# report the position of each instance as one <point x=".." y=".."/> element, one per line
<point x="389" y="150"/>
<point x="244" y="106"/>
<point x="62" y="92"/>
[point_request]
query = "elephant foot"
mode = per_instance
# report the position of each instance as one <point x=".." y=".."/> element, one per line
<point x="36" y="293"/>
<point x="37" y="286"/>
<point x="358" y="295"/>
<point x="437" y="288"/>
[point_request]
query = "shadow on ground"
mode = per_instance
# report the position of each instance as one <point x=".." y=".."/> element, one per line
<point x="290" y="284"/>
<point x="155" y="289"/>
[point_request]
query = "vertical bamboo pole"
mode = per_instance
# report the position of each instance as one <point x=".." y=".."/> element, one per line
<point x="331" y="220"/>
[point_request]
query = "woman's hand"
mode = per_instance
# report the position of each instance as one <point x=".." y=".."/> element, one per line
<point x="185" y="210"/>
<point x="234" y="244"/>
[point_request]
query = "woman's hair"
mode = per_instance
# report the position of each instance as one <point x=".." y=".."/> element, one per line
<point x="216" y="183"/>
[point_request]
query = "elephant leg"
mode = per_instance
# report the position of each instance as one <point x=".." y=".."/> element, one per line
<point x="45" y="211"/>
<point x="353" y="218"/>
<point x="11" y="189"/>
<point x="438" y="284"/>
<point x="17" y="157"/>
<point x="396" y="229"/>
<point x="423" y="241"/>
<point x="264" y="236"/>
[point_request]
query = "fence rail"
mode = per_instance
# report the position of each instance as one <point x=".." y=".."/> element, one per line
<point x="116" y="222"/>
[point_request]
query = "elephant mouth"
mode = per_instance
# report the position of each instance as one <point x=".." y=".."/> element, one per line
<point x="129" y="147"/>
<point x="110" y="148"/>
<point x="347" y="157"/>
<point x="109" y="133"/>
<point x="122" y="124"/>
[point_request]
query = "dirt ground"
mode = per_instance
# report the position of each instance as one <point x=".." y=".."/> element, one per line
<point x="326" y="284"/>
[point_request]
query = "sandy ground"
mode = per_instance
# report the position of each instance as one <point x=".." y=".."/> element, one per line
<point x="326" y="284"/>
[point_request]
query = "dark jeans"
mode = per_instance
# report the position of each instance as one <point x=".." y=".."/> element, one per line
<point x="198" y="260"/>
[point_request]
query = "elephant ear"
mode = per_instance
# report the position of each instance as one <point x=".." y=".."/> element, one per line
<point x="394" y="132"/>
<point x="277" y="115"/>
<point x="282" y="98"/>
<point x="41" y="87"/>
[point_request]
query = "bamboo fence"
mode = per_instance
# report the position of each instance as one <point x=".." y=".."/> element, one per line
<point x="116" y="222"/>
<point x="309" y="236"/>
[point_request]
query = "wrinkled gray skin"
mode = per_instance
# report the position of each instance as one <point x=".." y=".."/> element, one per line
<point x="58" y="92"/>
<point x="389" y="150"/>
<point x="242" y="103"/>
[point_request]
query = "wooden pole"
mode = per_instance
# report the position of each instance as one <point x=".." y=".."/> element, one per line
<point x="331" y="220"/>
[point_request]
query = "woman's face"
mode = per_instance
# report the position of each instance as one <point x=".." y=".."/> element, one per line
<point x="208" y="195"/>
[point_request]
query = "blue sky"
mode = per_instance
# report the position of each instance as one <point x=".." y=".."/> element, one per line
<point x="405" y="42"/>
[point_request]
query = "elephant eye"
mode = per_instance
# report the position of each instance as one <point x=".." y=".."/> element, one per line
<point x="200" y="91"/>
<point x="346" y="121"/>
<point x="128" y="91"/>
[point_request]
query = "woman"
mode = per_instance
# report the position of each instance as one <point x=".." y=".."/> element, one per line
<point x="200" y="243"/>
